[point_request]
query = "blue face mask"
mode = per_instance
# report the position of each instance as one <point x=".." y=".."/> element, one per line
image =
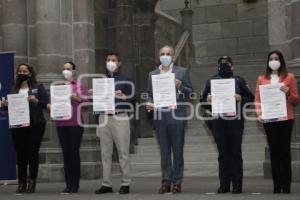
<point x="165" y="60"/>
<point x="225" y="70"/>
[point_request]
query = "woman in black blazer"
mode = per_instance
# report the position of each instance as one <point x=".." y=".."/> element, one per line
<point x="27" y="140"/>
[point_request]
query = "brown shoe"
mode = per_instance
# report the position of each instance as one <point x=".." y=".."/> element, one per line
<point x="21" y="188"/>
<point x="176" y="189"/>
<point x="31" y="186"/>
<point x="164" y="189"/>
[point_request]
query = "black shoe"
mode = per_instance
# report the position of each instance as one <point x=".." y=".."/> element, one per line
<point x="31" y="184"/>
<point x="277" y="189"/>
<point x="103" y="190"/>
<point x="66" y="190"/>
<point x="74" y="189"/>
<point x="124" y="190"/>
<point x="223" y="190"/>
<point x="21" y="188"/>
<point x="237" y="190"/>
<point x="286" y="189"/>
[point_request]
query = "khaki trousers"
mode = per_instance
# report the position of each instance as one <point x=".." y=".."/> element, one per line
<point x="114" y="129"/>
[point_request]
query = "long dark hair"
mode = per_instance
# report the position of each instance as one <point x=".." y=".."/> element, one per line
<point x="31" y="81"/>
<point x="282" y="71"/>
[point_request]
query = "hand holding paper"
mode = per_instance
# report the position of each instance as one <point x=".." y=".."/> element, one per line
<point x="18" y="110"/>
<point x="273" y="102"/>
<point x="164" y="90"/>
<point x="223" y="97"/>
<point x="61" y="107"/>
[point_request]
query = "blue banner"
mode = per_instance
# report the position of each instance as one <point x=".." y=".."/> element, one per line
<point x="7" y="152"/>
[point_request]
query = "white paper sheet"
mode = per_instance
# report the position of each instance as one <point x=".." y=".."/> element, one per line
<point x="164" y="91"/>
<point x="223" y="96"/>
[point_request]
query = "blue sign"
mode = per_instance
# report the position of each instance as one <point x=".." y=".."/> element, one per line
<point x="7" y="152"/>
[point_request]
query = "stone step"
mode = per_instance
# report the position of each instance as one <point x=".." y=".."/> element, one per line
<point x="204" y="139"/>
<point x="55" y="172"/>
<point x="55" y="155"/>
<point x="90" y="140"/>
<point x="203" y="148"/>
<point x="199" y="157"/>
<point x="204" y="132"/>
<point x="194" y="169"/>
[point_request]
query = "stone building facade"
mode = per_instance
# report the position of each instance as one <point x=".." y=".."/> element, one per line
<point x="46" y="33"/>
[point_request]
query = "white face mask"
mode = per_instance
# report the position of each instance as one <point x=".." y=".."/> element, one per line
<point x="274" y="65"/>
<point x="111" y="66"/>
<point x="67" y="74"/>
<point x="165" y="60"/>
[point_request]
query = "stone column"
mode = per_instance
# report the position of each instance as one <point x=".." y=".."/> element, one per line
<point x="144" y="21"/>
<point x="277" y="26"/>
<point x="31" y="32"/>
<point x="187" y="18"/>
<point x="187" y="23"/>
<point x="124" y="36"/>
<point x="66" y="32"/>
<point x="284" y="32"/>
<point x="84" y="36"/>
<point x="48" y="36"/>
<point x="14" y="27"/>
<point x="101" y="42"/>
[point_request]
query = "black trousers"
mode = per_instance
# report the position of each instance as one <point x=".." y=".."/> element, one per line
<point x="27" y="142"/>
<point x="228" y="137"/>
<point x="70" y="139"/>
<point x="279" y="140"/>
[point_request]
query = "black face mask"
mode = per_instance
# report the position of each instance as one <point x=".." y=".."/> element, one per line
<point x="225" y="70"/>
<point x="23" y="77"/>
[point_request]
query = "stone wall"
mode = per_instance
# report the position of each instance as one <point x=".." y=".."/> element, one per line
<point x="225" y="27"/>
<point x="230" y="27"/>
<point x="101" y="34"/>
<point x="14" y="27"/>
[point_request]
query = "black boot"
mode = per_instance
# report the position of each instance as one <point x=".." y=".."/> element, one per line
<point x="21" y="188"/>
<point x="286" y="188"/>
<point x="223" y="189"/>
<point x="277" y="188"/>
<point x="67" y="189"/>
<point x="31" y="186"/>
<point x="237" y="190"/>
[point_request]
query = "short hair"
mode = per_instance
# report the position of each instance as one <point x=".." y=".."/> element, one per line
<point x="226" y="59"/>
<point x="72" y="64"/>
<point x="170" y="47"/>
<point x="111" y="53"/>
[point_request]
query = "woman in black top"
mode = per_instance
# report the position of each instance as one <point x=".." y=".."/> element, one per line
<point x="27" y="140"/>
